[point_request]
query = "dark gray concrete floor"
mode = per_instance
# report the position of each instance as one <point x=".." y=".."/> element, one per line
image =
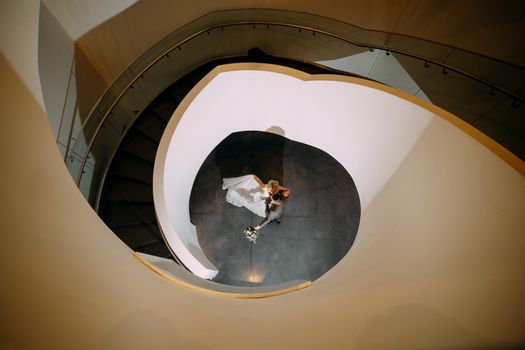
<point x="320" y="217"/>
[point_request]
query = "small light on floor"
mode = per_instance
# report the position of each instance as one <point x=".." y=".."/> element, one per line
<point x="255" y="276"/>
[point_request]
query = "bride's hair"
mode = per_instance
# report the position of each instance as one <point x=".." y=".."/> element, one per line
<point x="272" y="184"/>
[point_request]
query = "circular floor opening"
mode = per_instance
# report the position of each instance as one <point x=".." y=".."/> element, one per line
<point x="319" y="222"/>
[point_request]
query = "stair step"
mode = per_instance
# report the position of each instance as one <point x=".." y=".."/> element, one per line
<point x="114" y="189"/>
<point x="139" y="233"/>
<point x="158" y="116"/>
<point x="151" y="125"/>
<point x="136" y="157"/>
<point x="159" y="249"/>
<point x="165" y="107"/>
<point x="128" y="202"/>
<point x="130" y="178"/>
<point x="141" y="147"/>
<point x="179" y="90"/>
<point x="122" y="167"/>
<point x="144" y="135"/>
<point x="118" y="214"/>
<point x="145" y="244"/>
<point x="135" y="241"/>
<point x="117" y="226"/>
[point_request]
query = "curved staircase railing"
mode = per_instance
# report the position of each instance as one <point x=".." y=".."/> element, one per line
<point x="485" y="90"/>
<point x="482" y="91"/>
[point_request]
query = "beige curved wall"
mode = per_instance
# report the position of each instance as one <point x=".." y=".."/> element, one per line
<point x="19" y="41"/>
<point x="480" y="26"/>
<point x="70" y="84"/>
<point x="450" y="277"/>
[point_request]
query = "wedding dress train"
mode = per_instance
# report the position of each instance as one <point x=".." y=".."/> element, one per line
<point x="246" y="191"/>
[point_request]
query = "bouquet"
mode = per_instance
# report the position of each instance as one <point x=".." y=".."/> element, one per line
<point x="251" y="234"/>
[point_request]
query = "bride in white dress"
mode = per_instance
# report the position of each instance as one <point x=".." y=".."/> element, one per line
<point x="250" y="192"/>
<point x="262" y="199"/>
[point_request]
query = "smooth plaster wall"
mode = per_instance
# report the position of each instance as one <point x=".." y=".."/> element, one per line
<point x="366" y="130"/>
<point x="451" y="277"/>
<point x="70" y="84"/>
<point x="56" y="58"/>
<point x="496" y="30"/>
<point x="79" y="17"/>
<point x="19" y="41"/>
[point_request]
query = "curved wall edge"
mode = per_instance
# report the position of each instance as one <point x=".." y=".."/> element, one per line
<point x="439" y="282"/>
<point x="168" y="270"/>
<point x="173" y="214"/>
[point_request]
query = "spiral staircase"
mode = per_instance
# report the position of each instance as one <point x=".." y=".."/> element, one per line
<point x="126" y="202"/>
<point x="125" y="199"/>
<point x="446" y="273"/>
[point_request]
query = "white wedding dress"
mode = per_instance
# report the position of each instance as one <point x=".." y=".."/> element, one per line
<point x="245" y="191"/>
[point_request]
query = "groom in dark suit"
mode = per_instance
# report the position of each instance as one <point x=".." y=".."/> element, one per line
<point x="274" y="209"/>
